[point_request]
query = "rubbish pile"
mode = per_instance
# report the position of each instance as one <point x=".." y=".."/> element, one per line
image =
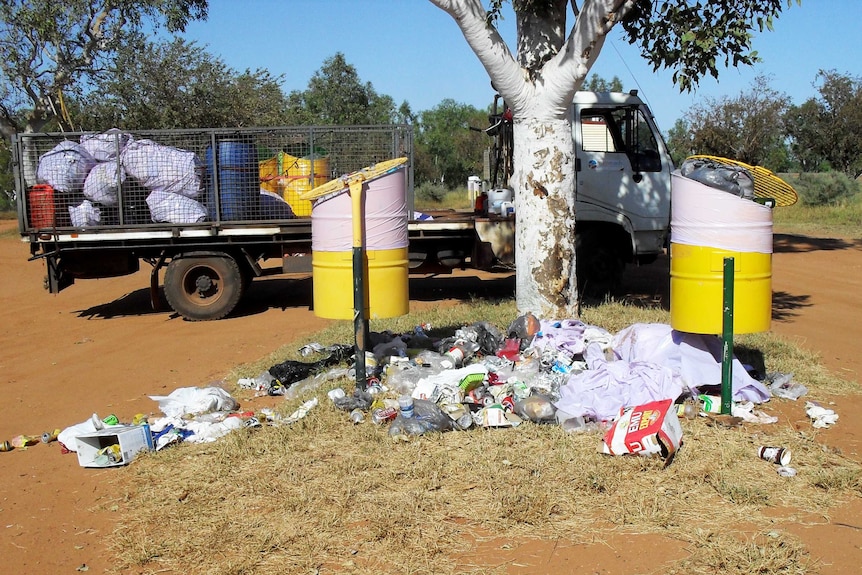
<point x="632" y="386"/>
<point x="561" y="372"/>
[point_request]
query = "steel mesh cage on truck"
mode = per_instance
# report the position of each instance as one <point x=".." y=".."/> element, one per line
<point x="146" y="178"/>
<point x="207" y="204"/>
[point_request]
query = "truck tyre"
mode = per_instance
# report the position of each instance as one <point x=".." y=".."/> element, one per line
<point x="203" y="288"/>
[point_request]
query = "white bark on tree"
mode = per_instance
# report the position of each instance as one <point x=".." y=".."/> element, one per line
<point x="544" y="167"/>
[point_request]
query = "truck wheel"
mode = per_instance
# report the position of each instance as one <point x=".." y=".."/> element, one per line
<point x="204" y="288"/>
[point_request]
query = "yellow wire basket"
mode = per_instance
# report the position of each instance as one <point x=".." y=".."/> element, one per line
<point x="766" y="183"/>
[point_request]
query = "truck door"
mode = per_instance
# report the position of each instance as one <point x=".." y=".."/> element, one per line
<point x="620" y="167"/>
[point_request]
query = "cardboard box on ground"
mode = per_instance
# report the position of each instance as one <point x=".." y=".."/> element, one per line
<point x="649" y="429"/>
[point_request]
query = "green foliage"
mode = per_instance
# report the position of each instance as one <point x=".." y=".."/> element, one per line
<point x="596" y="83"/>
<point x="693" y="38"/>
<point x="335" y="95"/>
<point x="429" y="192"/>
<point x="748" y="127"/>
<point x="53" y="51"/>
<point x="679" y="141"/>
<point x="447" y="150"/>
<point x="828" y="189"/>
<point x="828" y="129"/>
<point x="801" y="125"/>
<point x="178" y="84"/>
<point x="7" y="183"/>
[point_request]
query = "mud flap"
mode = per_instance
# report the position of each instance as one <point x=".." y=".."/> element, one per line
<point x="57" y="279"/>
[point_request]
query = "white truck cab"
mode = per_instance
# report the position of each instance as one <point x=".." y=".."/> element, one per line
<point x="622" y="185"/>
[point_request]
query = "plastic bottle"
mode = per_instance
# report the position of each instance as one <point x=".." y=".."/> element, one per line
<point x="460" y="352"/>
<point x="405" y="403"/>
<point x="356" y="416"/>
<point x="480" y="207"/>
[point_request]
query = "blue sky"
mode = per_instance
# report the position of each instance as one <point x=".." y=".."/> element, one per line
<point x="411" y="50"/>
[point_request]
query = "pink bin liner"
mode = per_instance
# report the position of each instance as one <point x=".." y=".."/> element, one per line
<point x="384" y="211"/>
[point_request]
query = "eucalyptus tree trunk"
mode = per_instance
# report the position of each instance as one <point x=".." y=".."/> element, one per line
<point x="539" y="88"/>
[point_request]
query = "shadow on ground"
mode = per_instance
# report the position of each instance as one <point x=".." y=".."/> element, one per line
<point x="795" y="243"/>
<point x="642" y="286"/>
<point x="282" y="293"/>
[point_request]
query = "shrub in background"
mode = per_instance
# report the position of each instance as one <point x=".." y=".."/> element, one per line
<point x="826" y="189"/>
<point x="431" y="192"/>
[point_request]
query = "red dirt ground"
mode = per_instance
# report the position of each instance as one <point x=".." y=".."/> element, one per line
<point x="98" y="347"/>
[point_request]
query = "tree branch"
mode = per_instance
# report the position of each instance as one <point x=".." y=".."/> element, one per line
<point x="493" y="53"/>
<point x="595" y="20"/>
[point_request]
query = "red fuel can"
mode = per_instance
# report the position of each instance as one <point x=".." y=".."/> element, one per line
<point x="42" y="210"/>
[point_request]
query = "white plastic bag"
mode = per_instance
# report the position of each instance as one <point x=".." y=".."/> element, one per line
<point x="103" y="183"/>
<point x="65" y="167"/>
<point x="175" y="209"/>
<point x="195" y="400"/>
<point x="107" y="145"/>
<point x="163" y="168"/>
<point x="85" y="214"/>
<point x="705" y="216"/>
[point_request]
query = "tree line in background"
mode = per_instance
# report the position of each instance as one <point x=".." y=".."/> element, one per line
<point x="178" y="84"/>
<point x="760" y="126"/>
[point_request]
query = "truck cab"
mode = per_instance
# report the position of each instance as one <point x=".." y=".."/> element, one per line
<point x="622" y="185"/>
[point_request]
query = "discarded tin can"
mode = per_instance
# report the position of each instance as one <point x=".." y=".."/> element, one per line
<point x="383" y="415"/>
<point x="778" y="455"/>
<point x="476" y="396"/>
<point x="6" y="446"/>
<point x="508" y="403"/>
<point x="50" y="436"/>
<point x="373" y="385"/>
<point x="22" y="441"/>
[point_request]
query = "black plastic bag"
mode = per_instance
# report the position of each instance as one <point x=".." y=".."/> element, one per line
<point x="291" y="371"/>
<point x="735" y="180"/>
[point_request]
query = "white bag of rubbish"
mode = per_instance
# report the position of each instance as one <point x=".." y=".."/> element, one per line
<point x="85" y="214"/>
<point x="175" y="209"/>
<point x="107" y="145"/>
<point x="65" y="167"/>
<point x="163" y="168"/>
<point x="103" y="183"/>
<point x="194" y="401"/>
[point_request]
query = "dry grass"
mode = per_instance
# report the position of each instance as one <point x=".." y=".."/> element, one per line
<point x="764" y="553"/>
<point x="323" y="495"/>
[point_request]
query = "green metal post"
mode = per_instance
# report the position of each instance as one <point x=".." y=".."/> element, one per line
<point x="360" y="322"/>
<point x="727" y="339"/>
